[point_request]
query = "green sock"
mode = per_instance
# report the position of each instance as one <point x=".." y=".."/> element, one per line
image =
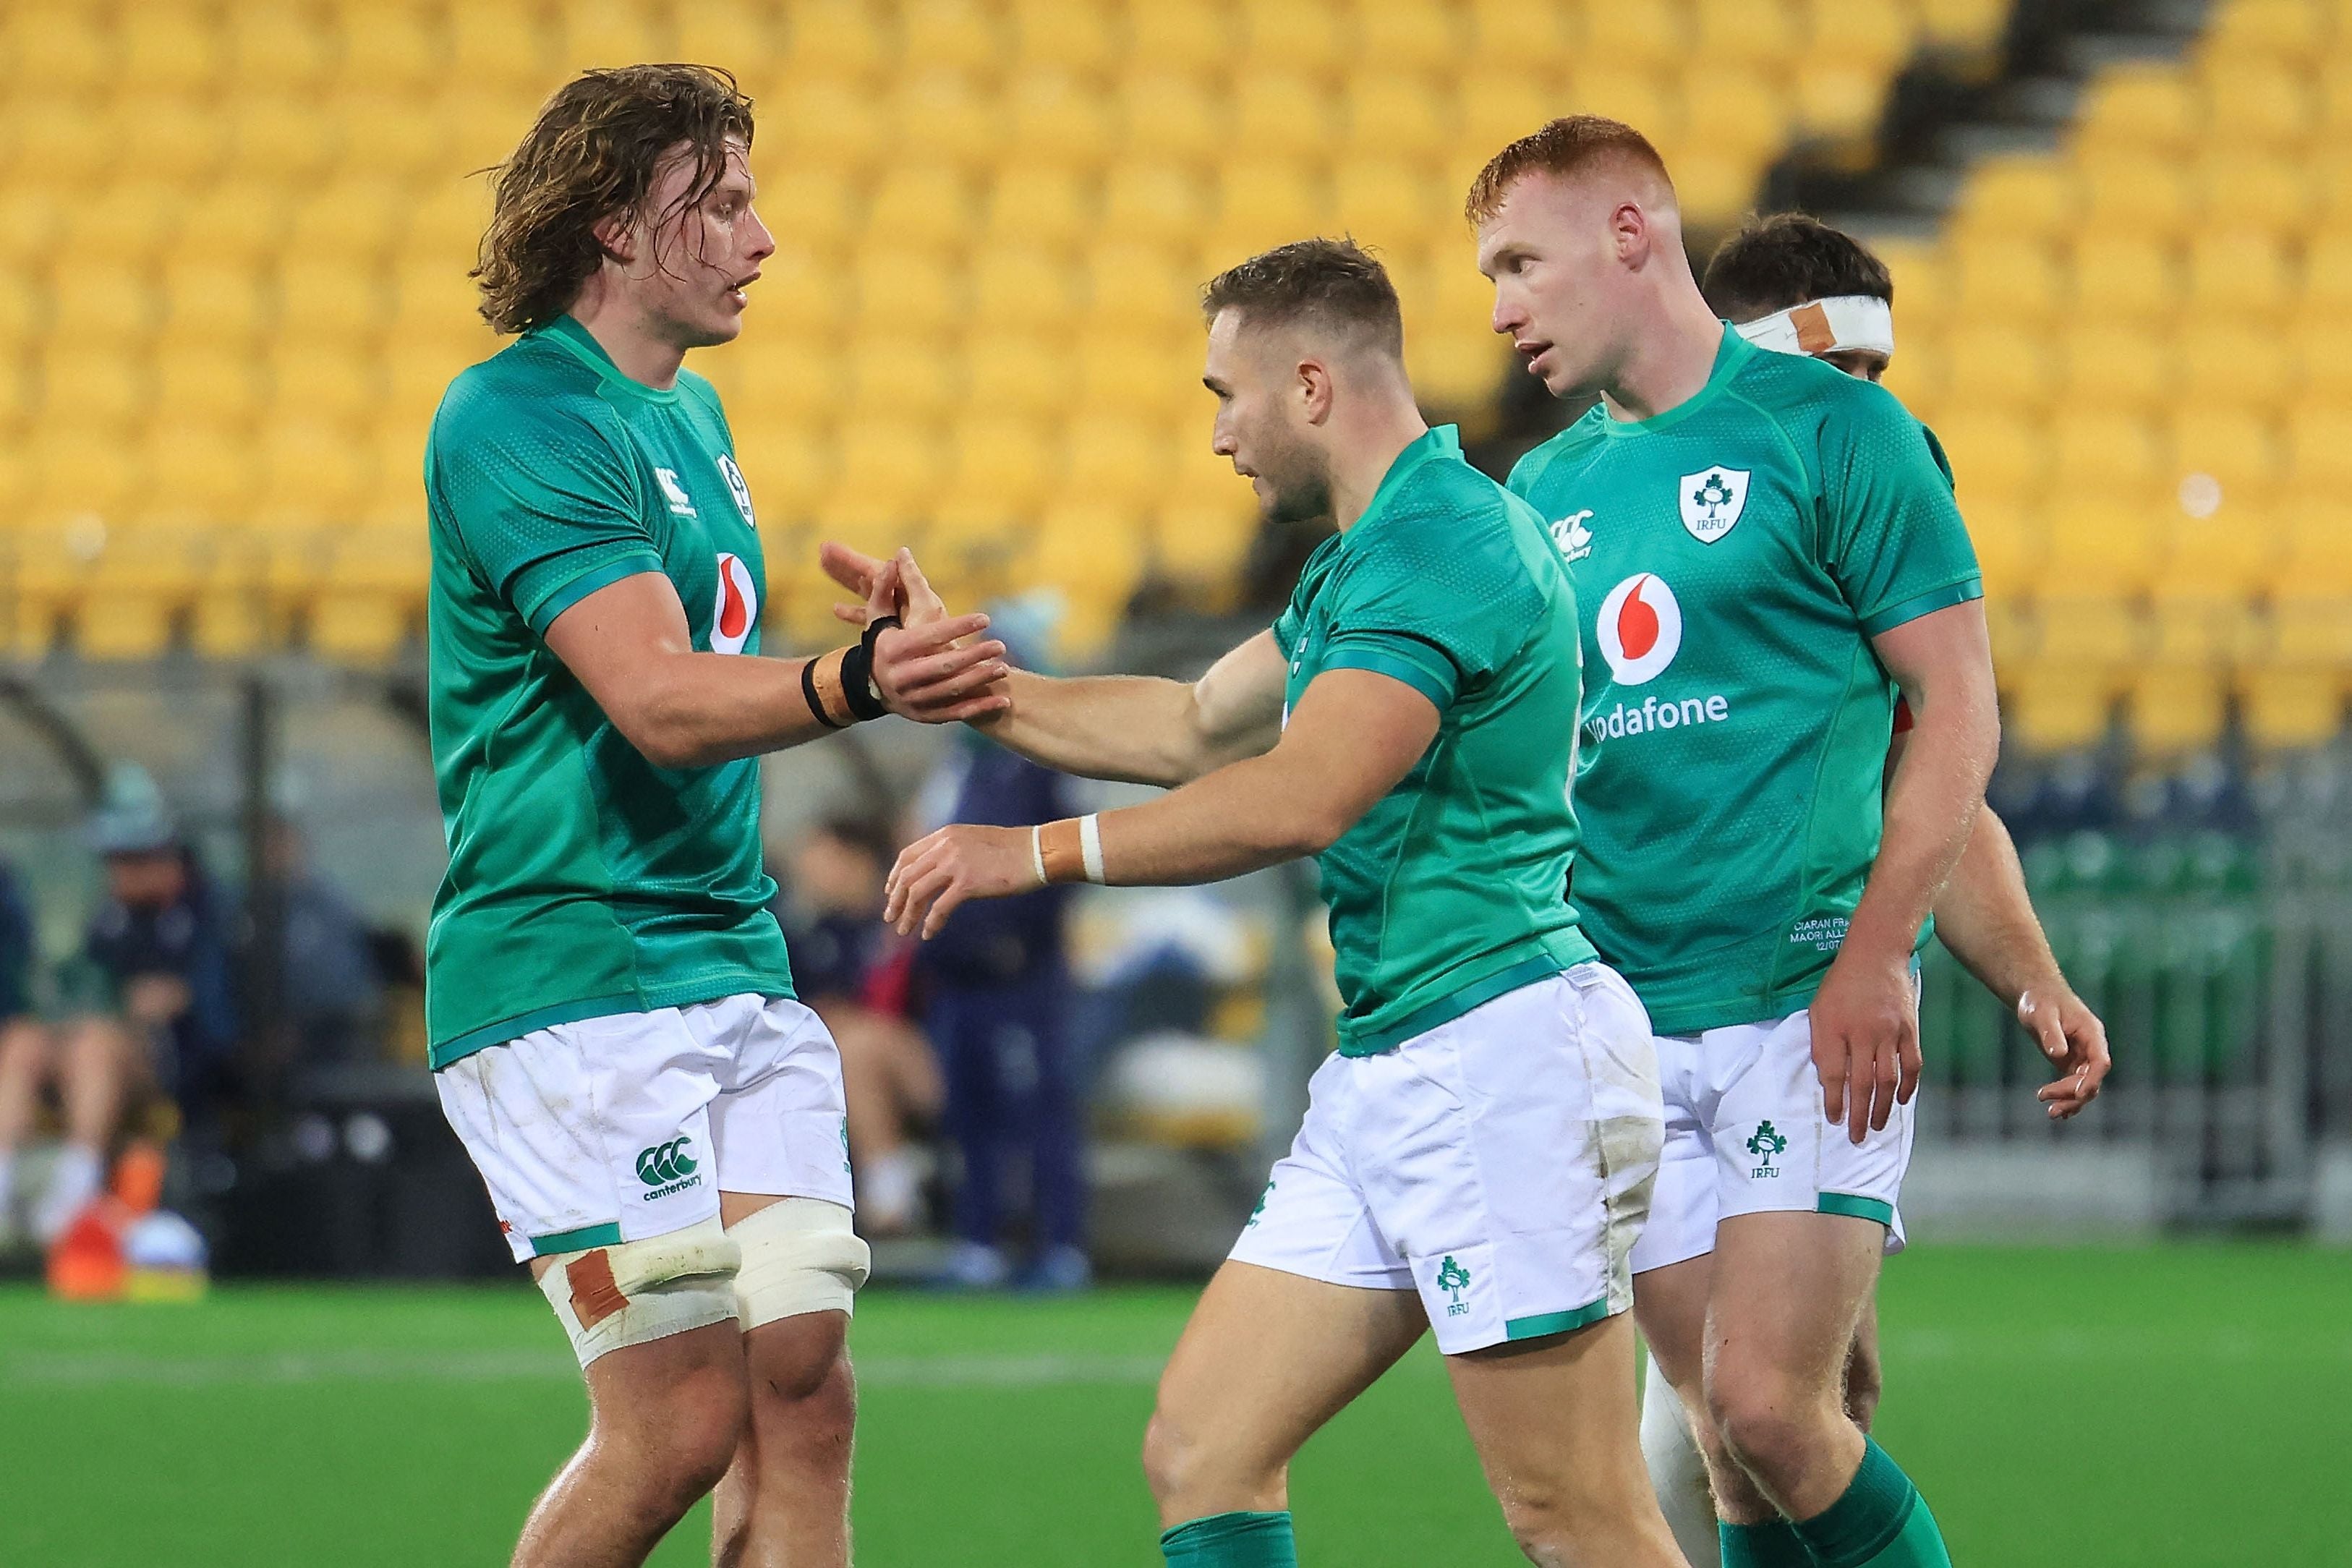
<point x="1773" y="1545"/>
<point x="1882" y="1520"/>
<point x="1232" y="1541"/>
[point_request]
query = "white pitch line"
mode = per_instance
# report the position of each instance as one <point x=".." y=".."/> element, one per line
<point x="103" y="1368"/>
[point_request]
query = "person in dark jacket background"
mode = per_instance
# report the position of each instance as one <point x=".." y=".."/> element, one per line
<point x="996" y="985"/>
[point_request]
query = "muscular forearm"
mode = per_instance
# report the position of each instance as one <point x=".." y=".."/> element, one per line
<point x="1239" y="818"/>
<point x="1134" y="729"/>
<point x="1987" y="920"/>
<point x="696" y="709"/>
<point x="1932" y="805"/>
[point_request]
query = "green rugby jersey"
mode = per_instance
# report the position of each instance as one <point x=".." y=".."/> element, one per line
<point x="582" y="880"/>
<point x="1447" y="893"/>
<point x="1735" y="555"/>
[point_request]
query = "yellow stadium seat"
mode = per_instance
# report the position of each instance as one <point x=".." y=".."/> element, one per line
<point x="2140" y="107"/>
<point x="2175" y="708"/>
<point x="896" y="373"/>
<point x="1053" y="119"/>
<point x="1036" y="206"/>
<point x="1166" y="114"/>
<point x="919" y="207"/>
<point x="396" y="135"/>
<point x="1996" y="452"/>
<point x="733" y="33"/>
<point x="590" y="33"/>
<point x="1407" y="35"/>
<point x="2293" y="707"/>
<point x="313" y="473"/>
<point x="212" y="386"/>
<point x="2013" y="280"/>
<point x="280" y="44"/>
<point x="941" y="115"/>
<point x="2199" y="608"/>
<point x="1390" y="205"/>
<point x="77" y="470"/>
<point x="100" y="391"/>
<point x="437" y="309"/>
<point x="230" y="617"/>
<point x="327" y="381"/>
<point x="1736" y="111"/>
<point x="2334" y="80"/>
<point x="1396" y="116"/>
<point x="2051" y="707"/>
<point x="2231" y="358"/>
<point x="97" y="307"/>
<point x="1179" y="35"/>
<point x="1021" y="291"/>
<point x="1529" y="36"/>
<point x="1501" y="105"/>
<point x="1001" y="466"/>
<point x="1644" y="37"/>
<point x="1279" y="113"/>
<point x="836" y="38"/>
<point x="277" y="142"/>
<point x="2000" y="365"/>
<point x="2232" y="444"/>
<point x="2018" y="196"/>
<point x="835" y="121"/>
<point x="2135" y="192"/>
<point x="1646" y="99"/>
<point x="1260" y="202"/>
<point x="2328" y="275"/>
<point x="1964" y="23"/>
<point x="2264" y="29"/>
<point x="1760" y="33"/>
<point x="22" y="315"/>
<point x="399" y="46"/>
<point x="238" y="222"/>
<point x="2123" y="277"/>
<point x="2241" y="275"/>
<point x="502" y="46"/>
<point x="317" y="301"/>
<point x="1094" y="555"/>
<point x="2326" y="351"/>
<point x="1839" y="97"/>
<point x="165" y="48"/>
<point x="2109" y="364"/>
<point x="1014" y="374"/>
<point x="1139" y="286"/>
<point x="902" y="290"/>
<point x="171" y="138"/>
<point x="198" y="472"/>
<point x="2257" y="105"/>
<point x="59" y="141"/>
<point x="1055" y="35"/>
<point x="62" y="48"/>
<point x="372" y="595"/>
<point x="1868" y="33"/>
<point x="1458" y="371"/>
<point x="2010" y="546"/>
<point x="1152" y="204"/>
<point x="2319" y="443"/>
<point x="2252" y="192"/>
<point x="787" y="466"/>
<point x="1296" y="35"/>
<point x="130" y="222"/>
<point x="1111" y="458"/>
<point x="2100" y="539"/>
<point x="2103" y="452"/>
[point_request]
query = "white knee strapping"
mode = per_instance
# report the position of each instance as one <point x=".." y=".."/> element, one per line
<point x="634" y="1291"/>
<point x="1677" y="1471"/>
<point x="800" y="1256"/>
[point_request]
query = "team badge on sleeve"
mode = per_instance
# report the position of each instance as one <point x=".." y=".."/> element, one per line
<point x="1711" y="502"/>
<point x="738" y="609"/>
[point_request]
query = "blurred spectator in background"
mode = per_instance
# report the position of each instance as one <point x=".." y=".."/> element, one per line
<point x="150" y="998"/>
<point x="332" y="988"/>
<point x="995" y="984"/>
<point x="847" y="970"/>
<point x="24" y="1051"/>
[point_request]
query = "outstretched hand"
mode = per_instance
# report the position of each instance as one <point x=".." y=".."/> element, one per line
<point x="934" y="673"/>
<point x="936" y="874"/>
<point x="909" y="595"/>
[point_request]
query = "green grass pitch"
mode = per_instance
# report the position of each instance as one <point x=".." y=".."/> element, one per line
<point x="2178" y="1406"/>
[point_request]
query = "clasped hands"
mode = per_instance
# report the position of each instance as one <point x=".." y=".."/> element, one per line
<point x="932" y="669"/>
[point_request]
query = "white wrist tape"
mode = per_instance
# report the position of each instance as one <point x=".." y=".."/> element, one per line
<point x="1825" y="326"/>
<point x="1089" y="846"/>
<point x="1037" y="852"/>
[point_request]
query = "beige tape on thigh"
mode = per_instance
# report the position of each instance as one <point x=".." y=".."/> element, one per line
<point x="635" y="1291"/>
<point x="800" y="1256"/>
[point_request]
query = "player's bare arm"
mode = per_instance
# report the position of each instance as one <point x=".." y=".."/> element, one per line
<point x="1985" y="918"/>
<point x="628" y="643"/>
<point x="1864" y="1020"/>
<point x="1132" y="729"/>
<point x="1354" y="736"/>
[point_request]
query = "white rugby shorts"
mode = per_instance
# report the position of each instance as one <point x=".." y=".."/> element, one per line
<point x="1746" y="1134"/>
<point x="1500" y="1164"/>
<point x="624" y="1127"/>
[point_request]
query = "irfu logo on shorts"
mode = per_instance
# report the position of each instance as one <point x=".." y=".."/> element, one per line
<point x="1765" y="1144"/>
<point x="1454" y="1278"/>
<point x="667" y="1168"/>
<point x="1257" y="1212"/>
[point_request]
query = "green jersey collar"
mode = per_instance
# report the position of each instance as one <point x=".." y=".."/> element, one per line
<point x="1442" y="441"/>
<point x="568" y="333"/>
<point x="1729" y="356"/>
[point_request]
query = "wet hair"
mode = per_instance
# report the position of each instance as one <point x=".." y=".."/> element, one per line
<point x="1566" y="146"/>
<point x="1786" y="259"/>
<point x="1334" y="285"/>
<point x="595" y="150"/>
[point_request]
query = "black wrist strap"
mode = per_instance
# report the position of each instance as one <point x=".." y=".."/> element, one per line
<point x="857" y="670"/>
<point x="808" y="691"/>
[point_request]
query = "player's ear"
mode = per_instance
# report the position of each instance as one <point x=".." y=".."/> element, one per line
<point x="1630" y="228"/>
<point x="616" y="234"/>
<point x="1314" y="390"/>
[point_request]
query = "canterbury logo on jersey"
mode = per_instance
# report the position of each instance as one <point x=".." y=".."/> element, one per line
<point x="738" y="608"/>
<point x="680" y="504"/>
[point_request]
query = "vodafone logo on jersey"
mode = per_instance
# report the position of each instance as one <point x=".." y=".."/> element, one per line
<point x="738" y="609"/>
<point x="1641" y="629"/>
